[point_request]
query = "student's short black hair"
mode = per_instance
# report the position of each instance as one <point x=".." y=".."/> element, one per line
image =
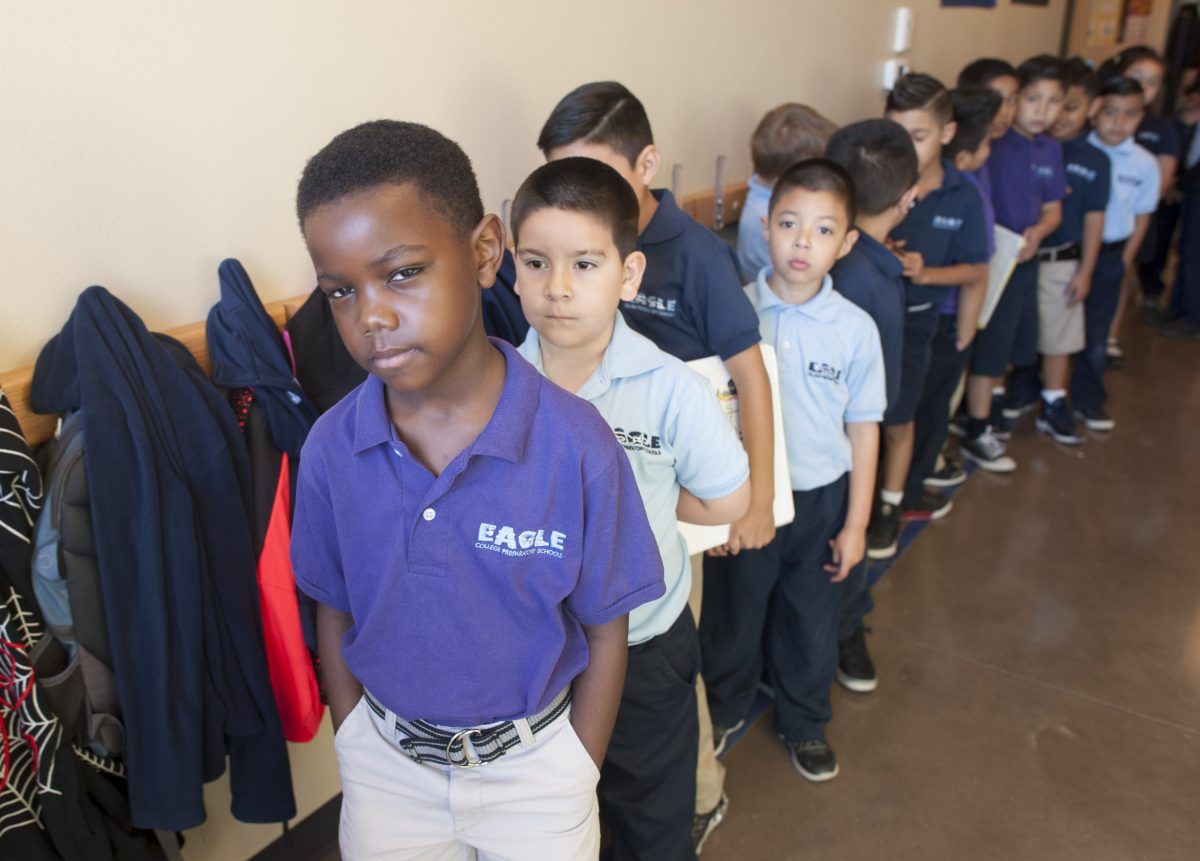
<point x="580" y="185"/>
<point x="1043" y="67"/>
<point x="919" y="92"/>
<point x="982" y="72"/>
<point x="390" y="152"/>
<point x="1079" y="73"/>
<point x="1119" y="63"/>
<point x="974" y="110"/>
<point x="818" y="174"/>
<point x="880" y="158"/>
<point x="1120" y="85"/>
<point x="602" y="113"/>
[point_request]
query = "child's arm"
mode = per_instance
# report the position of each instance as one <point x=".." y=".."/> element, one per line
<point x="341" y="688"/>
<point x="756" y="527"/>
<point x="712" y="512"/>
<point x="1140" y="226"/>
<point x="970" y="302"/>
<point x="596" y="692"/>
<point x="917" y="272"/>
<point x="850" y="544"/>
<point x="1167" y="165"/>
<point x="1093" y="238"/>
<point x="1049" y="222"/>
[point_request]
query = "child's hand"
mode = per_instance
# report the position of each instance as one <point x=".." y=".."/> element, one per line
<point x="1030" y="248"/>
<point x="914" y="266"/>
<point x="966" y="337"/>
<point x="1079" y="288"/>
<point x="752" y="531"/>
<point x="848" y="550"/>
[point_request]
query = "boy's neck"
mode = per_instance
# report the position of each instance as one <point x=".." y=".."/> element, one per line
<point x="877" y="226"/>
<point x="647" y="206"/>
<point x="1023" y="133"/>
<point x="571" y="367"/>
<point x="932" y="177"/>
<point x="794" y="294"/>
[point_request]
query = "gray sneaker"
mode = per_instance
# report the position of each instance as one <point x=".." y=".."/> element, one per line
<point x="704" y="824"/>
<point x="988" y="452"/>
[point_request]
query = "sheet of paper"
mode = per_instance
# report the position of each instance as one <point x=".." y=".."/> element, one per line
<point x="1000" y="269"/>
<point x="701" y="538"/>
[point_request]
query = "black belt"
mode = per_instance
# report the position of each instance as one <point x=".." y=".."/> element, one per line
<point x="426" y="742"/>
<point x="1062" y="252"/>
<point x="1119" y="245"/>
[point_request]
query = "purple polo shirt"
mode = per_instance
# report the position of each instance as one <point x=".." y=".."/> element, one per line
<point x="469" y="590"/>
<point x="1026" y="174"/>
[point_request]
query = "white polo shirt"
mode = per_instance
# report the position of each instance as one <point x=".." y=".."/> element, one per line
<point x="667" y="418"/>
<point x="1135" y="185"/>
<point x="830" y="373"/>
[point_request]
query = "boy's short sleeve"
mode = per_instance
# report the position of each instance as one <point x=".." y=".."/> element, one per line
<point x="709" y="459"/>
<point x="971" y="242"/>
<point x="1146" y="198"/>
<point x="316" y="558"/>
<point x="865" y="378"/>
<point x="1096" y="199"/>
<point x="621" y="567"/>
<point x="721" y="308"/>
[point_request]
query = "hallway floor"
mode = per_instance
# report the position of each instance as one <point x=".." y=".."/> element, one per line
<point x="1039" y="663"/>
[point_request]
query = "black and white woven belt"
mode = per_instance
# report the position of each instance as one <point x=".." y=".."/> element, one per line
<point x="426" y="742"/>
<point x="1073" y="251"/>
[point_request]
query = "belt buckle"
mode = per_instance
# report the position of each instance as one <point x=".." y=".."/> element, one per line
<point x="461" y="737"/>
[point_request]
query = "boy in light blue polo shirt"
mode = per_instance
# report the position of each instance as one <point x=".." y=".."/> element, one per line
<point x="786" y="597"/>
<point x="574" y="225"/>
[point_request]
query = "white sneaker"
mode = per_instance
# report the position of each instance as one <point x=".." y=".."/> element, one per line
<point x="988" y="452"/>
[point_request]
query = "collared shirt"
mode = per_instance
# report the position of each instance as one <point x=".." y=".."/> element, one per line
<point x="830" y="373"/>
<point x="870" y="277"/>
<point x="675" y="433"/>
<point x="691" y="303"/>
<point x="1135" y="186"/>
<point x="1027" y="173"/>
<point x="752" y="251"/>
<point x="1159" y="136"/>
<point x="1088" y="182"/>
<point x="946" y="226"/>
<point x="469" y="590"/>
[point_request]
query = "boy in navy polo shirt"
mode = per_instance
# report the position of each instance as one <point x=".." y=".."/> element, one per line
<point x="784" y="599"/>
<point x="574" y="224"/>
<point x="1067" y="259"/>
<point x="1028" y="185"/>
<point x="943" y="245"/>
<point x="880" y="158"/>
<point x="690" y="305"/>
<point x="474" y="565"/>
<point x="1115" y="115"/>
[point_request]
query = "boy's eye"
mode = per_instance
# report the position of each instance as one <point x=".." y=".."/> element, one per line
<point x="584" y="264"/>
<point x="404" y="274"/>
<point x="787" y="224"/>
<point x="534" y="263"/>
<point x="825" y="231"/>
<point x="338" y="292"/>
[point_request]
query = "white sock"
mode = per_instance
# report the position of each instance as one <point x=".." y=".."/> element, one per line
<point x="998" y="390"/>
<point x="892" y="497"/>
<point x="1052" y="395"/>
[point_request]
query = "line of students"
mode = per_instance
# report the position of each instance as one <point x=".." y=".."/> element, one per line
<point x="509" y="628"/>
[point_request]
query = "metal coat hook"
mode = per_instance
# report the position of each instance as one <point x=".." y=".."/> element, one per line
<point x="719" y="195"/>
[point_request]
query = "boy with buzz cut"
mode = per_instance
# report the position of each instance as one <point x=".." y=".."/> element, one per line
<point x="474" y="565"/>
<point x="1133" y="197"/>
<point x="880" y="158"/>
<point x="691" y="305"/>
<point x="784" y="599"/>
<point x="574" y="225"/>
<point x="785" y="135"/>
<point x="942" y="244"/>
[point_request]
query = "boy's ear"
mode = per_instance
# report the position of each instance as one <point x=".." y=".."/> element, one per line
<point x="908" y="200"/>
<point x="949" y="130"/>
<point x="632" y="271"/>
<point x="1094" y="107"/>
<point x="645" y="166"/>
<point x="848" y="242"/>
<point x="487" y="243"/>
<point x="765" y="222"/>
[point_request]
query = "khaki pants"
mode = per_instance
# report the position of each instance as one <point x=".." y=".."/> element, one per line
<point x="710" y="774"/>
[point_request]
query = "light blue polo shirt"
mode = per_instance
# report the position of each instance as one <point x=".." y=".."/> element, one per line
<point x="752" y="250"/>
<point x="830" y="373"/>
<point x="675" y="433"/>
<point x="1135" y="186"/>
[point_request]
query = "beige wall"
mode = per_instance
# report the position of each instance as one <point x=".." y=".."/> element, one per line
<point x="144" y="142"/>
<point x="1161" y="14"/>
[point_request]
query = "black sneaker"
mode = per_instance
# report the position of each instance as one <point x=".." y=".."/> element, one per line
<point x="931" y="506"/>
<point x="883" y="532"/>
<point x="958" y="425"/>
<point x="950" y="475"/>
<point x="1114" y="354"/>
<point x="856" y="670"/>
<point x="1013" y="408"/>
<point x="1001" y="426"/>
<point x="1095" y="419"/>
<point x="1056" y="420"/>
<point x="814" y="759"/>
<point x="988" y="452"/>
<point x="721" y="735"/>
<point x="703" y="824"/>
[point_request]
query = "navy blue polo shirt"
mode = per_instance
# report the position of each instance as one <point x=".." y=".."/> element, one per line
<point x="1160" y="136"/>
<point x="1027" y="173"/>
<point x="469" y="590"/>
<point x="870" y="277"/>
<point x="691" y="302"/>
<point x="1088" y="181"/>
<point x="948" y="228"/>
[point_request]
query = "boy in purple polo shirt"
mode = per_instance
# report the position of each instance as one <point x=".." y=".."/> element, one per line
<point x="1028" y="185"/>
<point x="474" y="562"/>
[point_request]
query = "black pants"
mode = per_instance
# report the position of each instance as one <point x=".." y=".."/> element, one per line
<point x="777" y="606"/>
<point x="933" y="410"/>
<point x="1099" y="308"/>
<point x="1156" y="249"/>
<point x="648" y="782"/>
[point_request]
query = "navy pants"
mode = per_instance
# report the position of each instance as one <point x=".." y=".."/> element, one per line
<point x="933" y="410"/>
<point x="1152" y="259"/>
<point x="856" y="600"/>
<point x="1087" y="382"/>
<point x="648" y="781"/>
<point x="775" y="608"/>
<point x="1185" y="300"/>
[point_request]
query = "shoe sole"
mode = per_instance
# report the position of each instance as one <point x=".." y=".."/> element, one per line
<point x="1014" y="413"/>
<point x="857" y="685"/>
<point x="883" y="552"/>
<point x="717" y="818"/>
<point x="1102" y="426"/>
<point x="946" y="482"/>
<point x="816" y="778"/>
<point x="1044" y="427"/>
<point x="926" y="516"/>
<point x="989" y="465"/>
<point x="719" y="748"/>
<point x="957" y="431"/>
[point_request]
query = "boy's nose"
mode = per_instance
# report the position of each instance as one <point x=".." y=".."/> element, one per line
<point x="558" y="286"/>
<point x="376" y="315"/>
